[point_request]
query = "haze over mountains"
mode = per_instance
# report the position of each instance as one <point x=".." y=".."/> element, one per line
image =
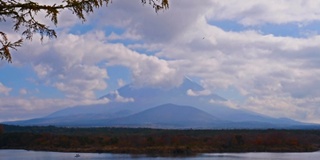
<point x="186" y="106"/>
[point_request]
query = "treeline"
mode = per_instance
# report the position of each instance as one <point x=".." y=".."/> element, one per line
<point x="157" y="141"/>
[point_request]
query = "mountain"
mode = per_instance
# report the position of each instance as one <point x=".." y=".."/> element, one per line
<point x="141" y="99"/>
<point x="185" y="106"/>
<point x="167" y="116"/>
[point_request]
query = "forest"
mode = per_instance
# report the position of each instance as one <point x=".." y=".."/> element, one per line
<point x="156" y="141"/>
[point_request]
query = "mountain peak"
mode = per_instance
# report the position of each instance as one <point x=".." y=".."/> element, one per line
<point x="190" y="84"/>
<point x="130" y="91"/>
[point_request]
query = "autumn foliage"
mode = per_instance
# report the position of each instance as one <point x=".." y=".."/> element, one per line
<point x="156" y="141"/>
<point x="1" y="129"/>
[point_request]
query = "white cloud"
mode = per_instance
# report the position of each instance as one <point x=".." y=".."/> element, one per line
<point x="152" y="71"/>
<point x="227" y="103"/>
<point x="277" y="74"/>
<point x="257" y="65"/>
<point x="62" y="63"/>
<point x="128" y="35"/>
<point x="69" y="64"/>
<point x="12" y="108"/>
<point x="121" y="83"/>
<point x="151" y="26"/>
<point x="119" y="98"/>
<point x="42" y="70"/>
<point x="252" y="12"/>
<point x="23" y="91"/>
<point x="81" y="81"/>
<point x="190" y="92"/>
<point x="4" y="90"/>
<point x="304" y="109"/>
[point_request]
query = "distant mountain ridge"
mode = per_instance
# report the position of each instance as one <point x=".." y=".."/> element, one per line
<point x="162" y="108"/>
<point x="167" y="116"/>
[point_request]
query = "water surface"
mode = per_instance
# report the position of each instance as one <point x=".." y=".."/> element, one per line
<point x="40" y="155"/>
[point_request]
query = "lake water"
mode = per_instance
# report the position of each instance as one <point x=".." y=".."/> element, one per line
<point x="38" y="155"/>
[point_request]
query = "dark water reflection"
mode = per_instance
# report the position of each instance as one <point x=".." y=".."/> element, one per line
<point x="35" y="155"/>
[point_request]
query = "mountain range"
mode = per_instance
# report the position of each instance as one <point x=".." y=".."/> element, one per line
<point x="185" y="106"/>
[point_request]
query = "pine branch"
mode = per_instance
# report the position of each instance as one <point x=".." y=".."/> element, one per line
<point x="6" y="46"/>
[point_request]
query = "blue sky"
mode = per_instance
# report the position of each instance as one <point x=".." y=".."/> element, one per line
<point x="261" y="55"/>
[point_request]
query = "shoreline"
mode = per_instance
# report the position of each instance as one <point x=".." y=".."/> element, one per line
<point x="15" y="154"/>
<point x="159" y="154"/>
<point x="168" y="151"/>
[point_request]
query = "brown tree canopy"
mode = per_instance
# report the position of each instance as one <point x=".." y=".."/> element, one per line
<point x="23" y="14"/>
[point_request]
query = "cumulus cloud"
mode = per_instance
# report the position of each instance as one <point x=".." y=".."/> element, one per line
<point x="4" y="90"/>
<point x="150" y="26"/>
<point x="155" y="72"/>
<point x="278" y="75"/>
<point x="257" y="65"/>
<point x="62" y="64"/>
<point x="69" y="64"/>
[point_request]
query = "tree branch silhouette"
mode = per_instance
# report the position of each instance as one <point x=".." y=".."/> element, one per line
<point x="23" y="14"/>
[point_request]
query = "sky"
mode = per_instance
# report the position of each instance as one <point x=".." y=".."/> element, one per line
<point x="261" y="55"/>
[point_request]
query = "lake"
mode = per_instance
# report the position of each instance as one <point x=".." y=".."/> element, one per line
<point x="39" y="155"/>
